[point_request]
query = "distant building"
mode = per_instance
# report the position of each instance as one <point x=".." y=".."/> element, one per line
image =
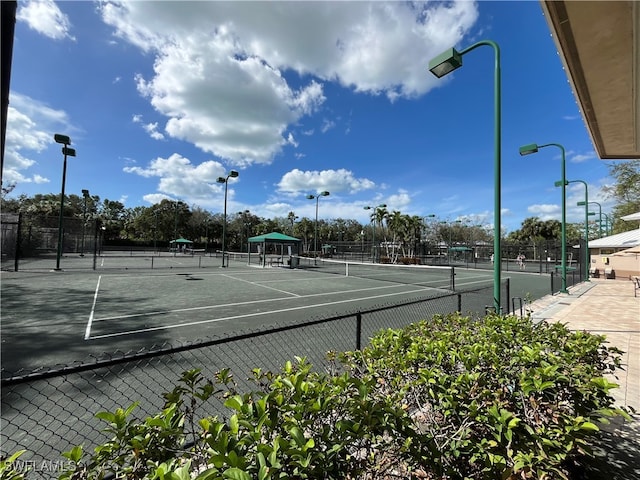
<point x="618" y="254"/>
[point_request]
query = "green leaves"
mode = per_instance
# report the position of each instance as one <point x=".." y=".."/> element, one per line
<point x="453" y="397"/>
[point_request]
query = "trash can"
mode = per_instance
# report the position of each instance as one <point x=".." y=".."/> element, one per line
<point x="294" y="262"/>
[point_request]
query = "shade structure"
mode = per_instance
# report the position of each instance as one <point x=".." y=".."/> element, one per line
<point x="181" y="240"/>
<point x="277" y="243"/>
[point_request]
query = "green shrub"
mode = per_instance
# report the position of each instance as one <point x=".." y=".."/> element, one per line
<point x="453" y="397"/>
<point x="494" y="397"/>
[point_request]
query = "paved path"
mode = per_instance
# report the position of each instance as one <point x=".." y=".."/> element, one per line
<point x="607" y="307"/>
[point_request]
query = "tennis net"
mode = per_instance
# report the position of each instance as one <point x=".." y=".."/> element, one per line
<point x="426" y="275"/>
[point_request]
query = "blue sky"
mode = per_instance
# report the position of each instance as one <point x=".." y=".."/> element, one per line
<point x="161" y="98"/>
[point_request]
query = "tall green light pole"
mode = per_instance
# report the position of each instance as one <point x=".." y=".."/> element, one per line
<point x="67" y="152"/>
<point x="315" y="230"/>
<point x="586" y="203"/>
<point x="85" y="195"/>
<point x="441" y="66"/>
<point x="586" y="224"/>
<point x="225" y="180"/>
<point x="373" y="221"/>
<point x="533" y="148"/>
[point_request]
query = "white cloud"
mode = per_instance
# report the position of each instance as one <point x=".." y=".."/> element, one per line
<point x="220" y="67"/>
<point x="152" y="130"/>
<point x="335" y="181"/>
<point x="327" y="125"/>
<point x="29" y="126"/>
<point x="45" y="17"/>
<point x="545" y="211"/>
<point x="399" y="201"/>
<point x="182" y="179"/>
<point x="579" y="158"/>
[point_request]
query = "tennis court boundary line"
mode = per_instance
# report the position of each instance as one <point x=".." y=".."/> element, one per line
<point x="255" y="314"/>
<point x="87" y="332"/>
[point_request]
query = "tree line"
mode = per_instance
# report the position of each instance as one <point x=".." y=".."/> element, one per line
<point x="397" y="234"/>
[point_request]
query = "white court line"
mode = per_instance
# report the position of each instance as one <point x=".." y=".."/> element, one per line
<point x="235" y="304"/>
<point x="87" y="332"/>
<point x="263" y="286"/>
<point x="188" y="324"/>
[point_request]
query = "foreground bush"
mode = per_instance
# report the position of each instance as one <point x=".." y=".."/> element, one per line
<point x="494" y="397"/>
<point x="452" y="398"/>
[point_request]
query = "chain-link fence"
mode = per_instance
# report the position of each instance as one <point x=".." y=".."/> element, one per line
<point x="25" y="239"/>
<point x="49" y="411"/>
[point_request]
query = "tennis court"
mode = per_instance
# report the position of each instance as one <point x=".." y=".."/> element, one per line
<point x="57" y="318"/>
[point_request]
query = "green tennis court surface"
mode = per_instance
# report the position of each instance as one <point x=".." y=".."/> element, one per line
<point x="57" y="318"/>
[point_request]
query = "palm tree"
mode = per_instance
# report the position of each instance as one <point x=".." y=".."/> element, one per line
<point x="396" y="222"/>
<point x="292" y="218"/>
<point x="380" y="215"/>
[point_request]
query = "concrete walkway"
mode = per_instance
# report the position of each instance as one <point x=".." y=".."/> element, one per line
<point x="607" y="307"/>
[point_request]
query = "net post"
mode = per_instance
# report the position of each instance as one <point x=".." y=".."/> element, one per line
<point x="347" y="269"/>
<point x="459" y="302"/>
<point x="453" y="279"/>
<point x="151" y="263"/>
<point x="358" y="331"/>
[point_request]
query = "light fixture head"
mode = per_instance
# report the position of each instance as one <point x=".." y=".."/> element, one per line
<point x="324" y="194"/>
<point x="581" y="203"/>
<point x="559" y="183"/>
<point x="367" y="207"/>
<point x="528" y="149"/>
<point x="62" y="139"/>
<point x="85" y="193"/>
<point x="221" y="180"/>
<point x="311" y="197"/>
<point x="445" y="63"/>
<point x="233" y="174"/>
<point x="382" y="205"/>
<point x="69" y="152"/>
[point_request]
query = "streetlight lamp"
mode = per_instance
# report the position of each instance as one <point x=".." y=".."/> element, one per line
<point x="586" y="223"/>
<point x="585" y="203"/>
<point x="442" y="65"/>
<point x="67" y="152"/>
<point x="315" y="231"/>
<point x="85" y="195"/>
<point x="225" y="180"/>
<point x="533" y="148"/>
<point x="373" y="221"/>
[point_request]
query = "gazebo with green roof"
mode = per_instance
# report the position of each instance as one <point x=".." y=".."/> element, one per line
<point x="271" y="248"/>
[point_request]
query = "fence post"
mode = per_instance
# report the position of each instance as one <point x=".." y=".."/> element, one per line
<point x="508" y="288"/>
<point x="453" y="279"/>
<point x="460" y="302"/>
<point x="358" y="330"/>
<point x="18" y="242"/>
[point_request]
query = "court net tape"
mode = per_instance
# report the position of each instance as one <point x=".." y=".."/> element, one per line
<point x="424" y="275"/>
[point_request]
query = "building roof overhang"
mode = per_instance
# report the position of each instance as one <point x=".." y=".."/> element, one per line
<point x="599" y="45"/>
